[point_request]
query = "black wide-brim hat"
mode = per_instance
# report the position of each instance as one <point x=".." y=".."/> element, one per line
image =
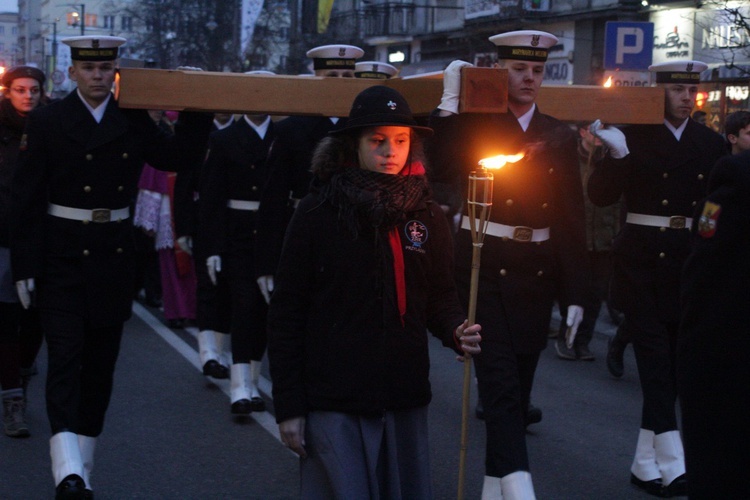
<point x="380" y="106"/>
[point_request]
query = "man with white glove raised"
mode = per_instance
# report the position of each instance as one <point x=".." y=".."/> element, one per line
<point x="662" y="172"/>
<point x="535" y="248"/>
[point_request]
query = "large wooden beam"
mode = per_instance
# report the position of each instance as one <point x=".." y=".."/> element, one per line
<point x="483" y="90"/>
<point x="273" y="94"/>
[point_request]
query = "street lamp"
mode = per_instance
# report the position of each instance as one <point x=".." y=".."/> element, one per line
<point x="79" y="17"/>
<point x="54" y="43"/>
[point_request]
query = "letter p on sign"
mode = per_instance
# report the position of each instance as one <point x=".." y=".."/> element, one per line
<point x="628" y="45"/>
<point x="629" y="41"/>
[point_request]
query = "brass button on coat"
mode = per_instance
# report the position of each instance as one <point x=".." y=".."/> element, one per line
<point x="86" y="253"/>
<point x="662" y="255"/>
<point x="124" y="156"/>
<point x="509" y="202"/>
<point x="87" y="189"/>
<point x="503" y="272"/>
<point x="89" y="157"/>
<point x="665" y="202"/>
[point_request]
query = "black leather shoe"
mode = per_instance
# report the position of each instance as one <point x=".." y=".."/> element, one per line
<point x="653" y="487"/>
<point x="214" y="369"/>
<point x="71" y="488"/>
<point x="533" y="415"/>
<point x="242" y="407"/>
<point x="257" y="404"/>
<point x="615" y="353"/>
<point x="479" y="411"/>
<point x="584" y="353"/>
<point x="677" y="488"/>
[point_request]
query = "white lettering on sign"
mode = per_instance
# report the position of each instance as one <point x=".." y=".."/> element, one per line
<point x="622" y="48"/>
<point x="556" y="71"/>
<point x="714" y="96"/>
<point x="738" y="92"/>
<point x="724" y="37"/>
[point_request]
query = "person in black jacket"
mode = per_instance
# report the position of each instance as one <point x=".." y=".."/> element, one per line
<point x="661" y="171"/>
<point x="365" y="270"/>
<point x="232" y="178"/>
<point x="713" y="346"/>
<point x="72" y="241"/>
<point x="20" y="331"/>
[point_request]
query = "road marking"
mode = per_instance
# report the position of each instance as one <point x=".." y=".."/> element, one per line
<point x="265" y="419"/>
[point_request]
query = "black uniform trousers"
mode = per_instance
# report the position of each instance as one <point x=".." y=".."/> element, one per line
<point x="504" y="380"/>
<point x="248" y="308"/>
<point x="653" y="323"/>
<point x="80" y="372"/>
<point x="213" y="301"/>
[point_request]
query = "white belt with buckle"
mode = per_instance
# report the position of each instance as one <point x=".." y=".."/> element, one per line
<point x="251" y="206"/>
<point x="522" y="234"/>
<point x="98" y="215"/>
<point x="673" y="222"/>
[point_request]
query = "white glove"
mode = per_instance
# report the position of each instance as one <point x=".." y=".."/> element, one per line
<point x="213" y="264"/>
<point x="265" y="283"/>
<point x="186" y="244"/>
<point x="612" y="137"/>
<point x="452" y="86"/>
<point x="575" y="316"/>
<point x="24" y="289"/>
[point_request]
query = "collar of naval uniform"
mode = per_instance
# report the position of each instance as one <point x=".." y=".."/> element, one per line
<point x="294" y="201"/>
<point x="521" y="234"/>
<point x="85" y="215"/>
<point x="671" y="222"/>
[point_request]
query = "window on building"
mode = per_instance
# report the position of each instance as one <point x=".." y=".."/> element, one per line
<point x="2" y="30"/>
<point x="14" y="30"/>
<point x="108" y="22"/>
<point x="127" y="23"/>
<point x="2" y="46"/>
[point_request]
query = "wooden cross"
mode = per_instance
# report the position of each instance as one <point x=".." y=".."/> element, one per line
<point x="482" y="90"/>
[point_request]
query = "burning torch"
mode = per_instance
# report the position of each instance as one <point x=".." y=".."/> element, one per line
<point x="479" y="204"/>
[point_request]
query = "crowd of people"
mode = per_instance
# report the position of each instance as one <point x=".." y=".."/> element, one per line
<point x="336" y="244"/>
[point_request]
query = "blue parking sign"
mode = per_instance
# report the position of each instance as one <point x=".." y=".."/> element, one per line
<point x="628" y="45"/>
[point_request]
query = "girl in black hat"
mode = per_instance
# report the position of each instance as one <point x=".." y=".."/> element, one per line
<point x="366" y="269"/>
<point x="20" y="332"/>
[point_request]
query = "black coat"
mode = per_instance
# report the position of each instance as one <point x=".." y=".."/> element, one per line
<point x="289" y="176"/>
<point x="713" y="351"/>
<point x="542" y="190"/>
<point x="336" y="342"/>
<point x="70" y="160"/>
<point x="10" y="138"/>
<point x="662" y="177"/>
<point x="235" y="169"/>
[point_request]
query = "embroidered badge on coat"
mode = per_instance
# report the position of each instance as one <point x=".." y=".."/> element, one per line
<point x="416" y="232"/>
<point x="709" y="219"/>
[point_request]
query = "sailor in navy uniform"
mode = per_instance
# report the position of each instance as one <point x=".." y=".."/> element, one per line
<point x="662" y="171"/>
<point x="375" y="70"/>
<point x="233" y="176"/>
<point x="535" y="243"/>
<point x="289" y="164"/>
<point x="72" y="241"/>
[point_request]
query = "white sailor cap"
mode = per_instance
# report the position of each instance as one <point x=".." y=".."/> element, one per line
<point x="334" y="56"/>
<point x="526" y="45"/>
<point x="678" y="71"/>
<point x="93" y="47"/>
<point x="374" y="69"/>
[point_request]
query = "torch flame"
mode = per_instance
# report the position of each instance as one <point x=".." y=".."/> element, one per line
<point x="499" y="161"/>
<point x="608" y="83"/>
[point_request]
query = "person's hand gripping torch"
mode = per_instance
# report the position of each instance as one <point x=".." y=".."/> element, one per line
<point x="479" y="204"/>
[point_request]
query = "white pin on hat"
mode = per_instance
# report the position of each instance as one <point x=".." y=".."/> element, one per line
<point x="525" y="45"/>
<point x="93" y="47"/>
<point x="374" y="69"/>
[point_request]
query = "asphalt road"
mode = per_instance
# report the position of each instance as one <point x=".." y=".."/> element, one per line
<point x="169" y="433"/>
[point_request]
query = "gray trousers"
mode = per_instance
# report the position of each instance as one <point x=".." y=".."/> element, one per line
<point x="372" y="457"/>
